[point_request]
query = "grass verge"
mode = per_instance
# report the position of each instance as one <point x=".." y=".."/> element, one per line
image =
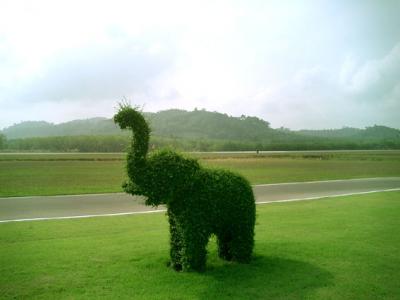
<point x="341" y="248"/>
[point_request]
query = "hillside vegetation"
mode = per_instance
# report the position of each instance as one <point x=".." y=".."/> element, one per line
<point x="198" y="130"/>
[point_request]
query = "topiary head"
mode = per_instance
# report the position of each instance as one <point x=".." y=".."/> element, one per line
<point x="126" y="117"/>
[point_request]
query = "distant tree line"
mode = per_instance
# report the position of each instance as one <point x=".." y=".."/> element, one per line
<point x="118" y="143"/>
<point x="3" y="141"/>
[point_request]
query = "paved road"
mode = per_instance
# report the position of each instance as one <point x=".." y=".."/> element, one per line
<point x="17" y="208"/>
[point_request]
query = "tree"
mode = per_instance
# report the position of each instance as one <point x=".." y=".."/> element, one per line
<point x="3" y="141"/>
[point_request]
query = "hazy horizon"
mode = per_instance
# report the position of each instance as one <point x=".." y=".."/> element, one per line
<point x="314" y="65"/>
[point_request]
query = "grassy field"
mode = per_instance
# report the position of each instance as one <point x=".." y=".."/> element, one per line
<point x="52" y="174"/>
<point x="341" y="248"/>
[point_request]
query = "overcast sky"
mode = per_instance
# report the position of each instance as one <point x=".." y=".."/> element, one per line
<point x="297" y="64"/>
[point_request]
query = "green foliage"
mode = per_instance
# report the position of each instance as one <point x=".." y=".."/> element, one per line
<point x="133" y="119"/>
<point x="201" y="124"/>
<point x="198" y="130"/>
<point x="200" y="201"/>
<point x="2" y="141"/>
<point x="93" y="126"/>
<point x="119" y="143"/>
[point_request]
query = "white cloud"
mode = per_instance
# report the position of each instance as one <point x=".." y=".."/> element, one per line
<point x="291" y="63"/>
<point x="103" y="72"/>
<point x="305" y="98"/>
<point x="376" y="76"/>
<point x="321" y="98"/>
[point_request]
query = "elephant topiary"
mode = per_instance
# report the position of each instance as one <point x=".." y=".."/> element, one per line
<point x="200" y="202"/>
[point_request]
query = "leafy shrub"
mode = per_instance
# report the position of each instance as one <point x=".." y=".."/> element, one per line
<point x="200" y="201"/>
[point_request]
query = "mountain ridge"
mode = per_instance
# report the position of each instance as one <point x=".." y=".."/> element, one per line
<point x="196" y="124"/>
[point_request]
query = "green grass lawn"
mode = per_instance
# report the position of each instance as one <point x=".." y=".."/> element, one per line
<point x="276" y="170"/>
<point x="52" y="174"/>
<point x="24" y="178"/>
<point x="338" y="248"/>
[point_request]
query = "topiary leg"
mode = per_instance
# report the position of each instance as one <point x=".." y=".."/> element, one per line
<point x="194" y="250"/>
<point x="176" y="243"/>
<point x="224" y="245"/>
<point x="242" y="244"/>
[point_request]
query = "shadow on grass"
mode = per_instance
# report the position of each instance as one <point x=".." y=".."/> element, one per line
<point x="265" y="277"/>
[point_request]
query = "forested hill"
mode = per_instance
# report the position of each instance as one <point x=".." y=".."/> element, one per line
<point x="94" y="126"/>
<point x="169" y="123"/>
<point x="374" y="132"/>
<point x="209" y="125"/>
<point x="195" y="130"/>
